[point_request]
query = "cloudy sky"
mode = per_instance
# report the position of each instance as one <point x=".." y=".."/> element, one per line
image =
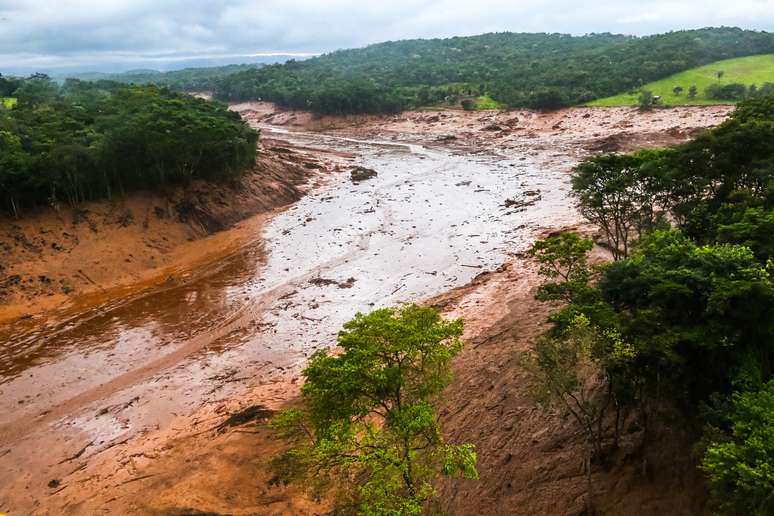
<point x="95" y="34"/>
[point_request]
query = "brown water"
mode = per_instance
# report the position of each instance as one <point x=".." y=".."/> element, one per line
<point x="430" y="221"/>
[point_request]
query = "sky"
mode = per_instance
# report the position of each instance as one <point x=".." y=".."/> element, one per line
<point x="104" y="35"/>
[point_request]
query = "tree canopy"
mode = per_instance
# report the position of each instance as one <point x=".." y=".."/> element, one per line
<point x="367" y="427"/>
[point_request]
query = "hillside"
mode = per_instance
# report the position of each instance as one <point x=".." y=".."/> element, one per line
<point x="541" y="71"/>
<point x="751" y="70"/>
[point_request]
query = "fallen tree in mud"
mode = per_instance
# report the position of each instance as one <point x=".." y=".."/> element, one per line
<point x="359" y="174"/>
<point x="366" y="429"/>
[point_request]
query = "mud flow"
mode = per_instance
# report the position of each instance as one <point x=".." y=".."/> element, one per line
<point x="84" y="383"/>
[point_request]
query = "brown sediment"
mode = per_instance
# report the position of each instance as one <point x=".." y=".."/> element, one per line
<point x="610" y="129"/>
<point x="141" y="430"/>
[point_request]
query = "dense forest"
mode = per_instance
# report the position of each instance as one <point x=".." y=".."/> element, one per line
<point x="521" y="70"/>
<point x="91" y="140"/>
<point x="680" y="326"/>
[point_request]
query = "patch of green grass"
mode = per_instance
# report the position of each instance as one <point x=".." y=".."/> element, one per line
<point x="744" y="70"/>
<point x="9" y="102"/>
<point x="487" y="102"/>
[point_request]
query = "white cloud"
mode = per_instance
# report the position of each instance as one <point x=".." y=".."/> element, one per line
<point x="80" y="31"/>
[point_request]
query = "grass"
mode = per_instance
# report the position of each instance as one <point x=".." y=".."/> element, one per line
<point x="9" y="102"/>
<point x="745" y="70"/>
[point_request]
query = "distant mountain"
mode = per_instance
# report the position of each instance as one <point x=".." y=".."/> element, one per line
<point x="520" y="70"/>
<point x="187" y="79"/>
<point x="167" y="65"/>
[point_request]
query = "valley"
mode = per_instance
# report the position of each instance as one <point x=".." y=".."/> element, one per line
<point x="155" y="400"/>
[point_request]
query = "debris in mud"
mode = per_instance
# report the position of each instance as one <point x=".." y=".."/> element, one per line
<point x="493" y="127"/>
<point x="358" y="174"/>
<point x="324" y="282"/>
<point x="463" y="183"/>
<point x="252" y="413"/>
<point x="523" y="203"/>
<point x="446" y="138"/>
<point x="612" y="143"/>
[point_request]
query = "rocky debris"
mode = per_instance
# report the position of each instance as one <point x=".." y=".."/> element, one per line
<point x="676" y="132"/>
<point x="446" y="138"/>
<point x="493" y="127"/>
<point x="612" y="143"/>
<point x="358" y="174"/>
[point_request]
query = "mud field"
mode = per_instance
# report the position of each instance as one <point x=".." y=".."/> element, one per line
<point x="155" y="402"/>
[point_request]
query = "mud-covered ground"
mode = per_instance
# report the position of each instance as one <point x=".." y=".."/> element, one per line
<point x="158" y="403"/>
<point x="103" y="250"/>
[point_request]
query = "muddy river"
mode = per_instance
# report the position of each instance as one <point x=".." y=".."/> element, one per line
<point x="83" y="384"/>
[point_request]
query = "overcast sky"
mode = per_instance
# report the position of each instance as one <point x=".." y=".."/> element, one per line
<point x="95" y="33"/>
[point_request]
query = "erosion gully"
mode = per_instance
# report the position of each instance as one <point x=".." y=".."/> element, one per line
<point x="81" y="385"/>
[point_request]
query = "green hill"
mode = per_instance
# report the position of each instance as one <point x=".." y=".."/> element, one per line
<point x="541" y="71"/>
<point x="757" y="70"/>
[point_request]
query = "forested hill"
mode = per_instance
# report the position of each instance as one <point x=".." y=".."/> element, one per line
<point x="519" y="70"/>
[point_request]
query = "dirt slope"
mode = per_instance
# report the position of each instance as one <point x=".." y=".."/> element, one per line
<point x="530" y="459"/>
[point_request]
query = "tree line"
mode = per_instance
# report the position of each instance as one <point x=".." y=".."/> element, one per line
<point x="542" y="71"/>
<point x="682" y="319"/>
<point x="91" y="140"/>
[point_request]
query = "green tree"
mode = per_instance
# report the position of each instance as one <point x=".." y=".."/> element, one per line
<point x="367" y="424"/>
<point x="692" y="92"/>
<point x="571" y="371"/>
<point x="37" y="89"/>
<point x="719" y="74"/>
<point x="677" y="90"/>
<point x="698" y="316"/>
<point x="563" y="260"/>
<point x="615" y="193"/>
<point x="740" y="468"/>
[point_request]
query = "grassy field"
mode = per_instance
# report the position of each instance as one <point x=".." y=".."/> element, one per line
<point x="9" y="102"/>
<point x="745" y="70"/>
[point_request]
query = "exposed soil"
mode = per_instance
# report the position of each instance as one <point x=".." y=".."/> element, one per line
<point x="616" y="129"/>
<point x="183" y="432"/>
<point x="103" y="249"/>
